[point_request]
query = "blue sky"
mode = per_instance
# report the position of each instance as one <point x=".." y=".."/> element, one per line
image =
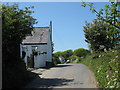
<point x="68" y="19"/>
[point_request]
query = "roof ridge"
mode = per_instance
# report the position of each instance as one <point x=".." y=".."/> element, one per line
<point x="42" y="27"/>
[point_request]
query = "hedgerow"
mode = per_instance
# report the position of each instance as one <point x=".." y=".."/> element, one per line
<point x="105" y="66"/>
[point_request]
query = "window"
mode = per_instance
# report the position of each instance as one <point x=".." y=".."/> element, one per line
<point x="34" y="48"/>
<point x="24" y="48"/>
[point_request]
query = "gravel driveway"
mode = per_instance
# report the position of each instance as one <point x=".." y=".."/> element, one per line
<point x="65" y="76"/>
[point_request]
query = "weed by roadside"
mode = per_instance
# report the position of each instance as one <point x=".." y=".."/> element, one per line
<point x="105" y="66"/>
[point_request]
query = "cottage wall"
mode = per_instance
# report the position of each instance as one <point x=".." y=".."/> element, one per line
<point x="40" y="58"/>
<point x="49" y="49"/>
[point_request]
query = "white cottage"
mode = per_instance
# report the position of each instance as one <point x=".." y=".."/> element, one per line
<point x="36" y="50"/>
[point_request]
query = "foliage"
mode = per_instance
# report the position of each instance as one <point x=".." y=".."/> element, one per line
<point x="74" y="59"/>
<point x="103" y="33"/>
<point x="81" y="52"/>
<point x="16" y="24"/>
<point x="100" y="35"/>
<point x="16" y="76"/>
<point x="105" y="66"/>
<point x="66" y="54"/>
<point x="74" y="56"/>
<point x="55" y="58"/>
<point x="57" y="54"/>
<point x="109" y="14"/>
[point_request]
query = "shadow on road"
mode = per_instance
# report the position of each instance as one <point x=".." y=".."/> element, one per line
<point x="48" y="82"/>
<point x="62" y="65"/>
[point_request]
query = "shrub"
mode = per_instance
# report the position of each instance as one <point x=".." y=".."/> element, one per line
<point x="105" y="67"/>
<point x="74" y="59"/>
<point x="81" y="52"/>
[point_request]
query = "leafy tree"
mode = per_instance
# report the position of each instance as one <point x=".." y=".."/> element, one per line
<point x="67" y="54"/>
<point x="100" y="35"/>
<point x="109" y="14"/>
<point x="57" y="54"/>
<point x="55" y="57"/>
<point x="81" y="52"/>
<point x="103" y="33"/>
<point x="16" y="24"/>
<point x="74" y="58"/>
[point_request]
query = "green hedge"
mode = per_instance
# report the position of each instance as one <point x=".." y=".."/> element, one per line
<point x="16" y="75"/>
<point x="106" y="68"/>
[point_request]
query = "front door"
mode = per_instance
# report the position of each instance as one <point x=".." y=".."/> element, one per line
<point x="30" y="61"/>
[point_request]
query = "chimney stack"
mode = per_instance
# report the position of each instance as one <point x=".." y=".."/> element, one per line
<point x="51" y="29"/>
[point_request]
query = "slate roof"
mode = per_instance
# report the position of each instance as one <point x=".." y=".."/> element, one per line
<point x="39" y="36"/>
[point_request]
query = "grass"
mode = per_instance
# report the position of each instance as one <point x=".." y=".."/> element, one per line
<point x="105" y="66"/>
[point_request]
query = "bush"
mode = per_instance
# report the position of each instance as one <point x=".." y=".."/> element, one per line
<point x="74" y="59"/>
<point x="55" y="59"/>
<point x="16" y="25"/>
<point x="81" y="52"/>
<point x="16" y="75"/>
<point x="105" y="67"/>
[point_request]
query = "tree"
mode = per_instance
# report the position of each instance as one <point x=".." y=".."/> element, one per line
<point x="67" y="54"/>
<point x="56" y="56"/>
<point x="109" y="14"/>
<point x="81" y="52"/>
<point x="16" y="24"/>
<point x="100" y="35"/>
<point x="74" y="58"/>
<point x="106" y="27"/>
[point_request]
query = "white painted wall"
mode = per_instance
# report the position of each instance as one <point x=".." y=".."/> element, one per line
<point x="40" y="59"/>
<point x="49" y="49"/>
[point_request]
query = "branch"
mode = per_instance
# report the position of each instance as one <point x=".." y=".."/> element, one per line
<point x="106" y="20"/>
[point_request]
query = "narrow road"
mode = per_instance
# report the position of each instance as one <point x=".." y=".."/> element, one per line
<point x="65" y="76"/>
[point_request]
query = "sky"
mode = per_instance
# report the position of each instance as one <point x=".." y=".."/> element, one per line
<point x="68" y="19"/>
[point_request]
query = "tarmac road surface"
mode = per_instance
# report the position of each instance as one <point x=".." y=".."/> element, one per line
<point x="65" y="76"/>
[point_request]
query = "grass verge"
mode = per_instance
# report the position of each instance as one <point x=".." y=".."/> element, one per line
<point x="105" y="66"/>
